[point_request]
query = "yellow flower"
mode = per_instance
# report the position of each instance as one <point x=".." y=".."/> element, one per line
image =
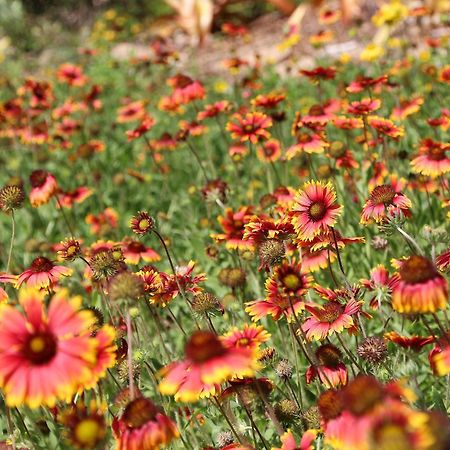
<point x="390" y="13"/>
<point x="289" y="42"/>
<point x="372" y="52"/>
<point x="221" y="86"/>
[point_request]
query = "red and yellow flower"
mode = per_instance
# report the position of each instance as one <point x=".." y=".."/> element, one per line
<point x="45" y="354"/>
<point x="383" y="201"/>
<point x="207" y="364"/>
<point x="288" y="441"/>
<point x="315" y="209"/>
<point x="134" y="251"/>
<point x="144" y="426"/>
<point x="432" y="159"/>
<point x="43" y="187"/>
<point x="332" y="317"/>
<point x="251" y="127"/>
<point x="42" y="273"/>
<point x="421" y="289"/>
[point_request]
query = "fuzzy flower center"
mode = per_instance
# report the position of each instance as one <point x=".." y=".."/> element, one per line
<point x="41" y="264"/>
<point x="88" y="432"/>
<point x="292" y="281"/>
<point x="317" y="211"/>
<point x="203" y="346"/>
<point x="391" y="436"/>
<point x="316" y="110"/>
<point x="436" y="153"/>
<point x="40" y="348"/>
<point x="136" y="247"/>
<point x="138" y="412"/>
<point x="330" y="312"/>
<point x="329" y="355"/>
<point x="417" y="269"/>
<point x="304" y="138"/>
<point x="382" y="195"/>
<point x="38" y="178"/>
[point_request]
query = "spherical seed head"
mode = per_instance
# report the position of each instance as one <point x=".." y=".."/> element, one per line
<point x="204" y="303"/>
<point x="311" y="418"/>
<point x="122" y="371"/>
<point x="287" y="410"/>
<point x="284" y="369"/>
<point x="224" y="438"/>
<point x="271" y="252"/>
<point x="11" y="197"/>
<point x="142" y="223"/>
<point x="372" y="349"/>
<point x="103" y="265"/>
<point x="379" y="243"/>
<point x="233" y="277"/>
<point x="126" y="286"/>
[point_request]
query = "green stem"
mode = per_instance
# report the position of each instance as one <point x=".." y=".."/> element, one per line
<point x="11" y="245"/>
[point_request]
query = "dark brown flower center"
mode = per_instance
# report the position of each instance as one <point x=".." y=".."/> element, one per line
<point x="317" y="211"/>
<point x="41" y="264"/>
<point x="38" y="178"/>
<point x="203" y="346"/>
<point x="304" y="138"/>
<point x="382" y="194"/>
<point x="417" y="269"/>
<point x="436" y="153"/>
<point x="316" y="110"/>
<point x="362" y="394"/>
<point x="138" y="412"/>
<point x="329" y="355"/>
<point x="330" y="312"/>
<point x="136" y="247"/>
<point x="40" y="348"/>
<point x="330" y="404"/>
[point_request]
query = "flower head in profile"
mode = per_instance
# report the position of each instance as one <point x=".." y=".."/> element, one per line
<point x="131" y="112"/>
<point x="364" y="107"/>
<point x="43" y="187"/>
<point x="315" y="209"/>
<point x="144" y="426"/>
<point x="45" y="353"/>
<point x="382" y="201"/>
<point x="330" y="370"/>
<point x="432" y="160"/>
<point x="134" y="251"/>
<point x="208" y="362"/>
<point x="319" y="73"/>
<point x="251" y="127"/>
<point x="233" y="226"/>
<point x="42" y="273"/>
<point x="306" y="143"/>
<point x="421" y="289"/>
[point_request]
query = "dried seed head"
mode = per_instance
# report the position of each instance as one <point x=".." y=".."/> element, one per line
<point x="284" y="369"/>
<point x="122" y="371"/>
<point x="267" y="354"/>
<point x="126" y="286"/>
<point x="224" y="438"/>
<point x="11" y="197"/>
<point x="204" y="303"/>
<point x="311" y="418"/>
<point x="287" y="410"/>
<point x="232" y="277"/>
<point x="372" y="349"/>
<point x="271" y="252"/>
<point x="379" y="243"/>
<point x="104" y="265"/>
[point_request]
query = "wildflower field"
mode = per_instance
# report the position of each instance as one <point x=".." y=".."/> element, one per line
<point x="254" y="259"/>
